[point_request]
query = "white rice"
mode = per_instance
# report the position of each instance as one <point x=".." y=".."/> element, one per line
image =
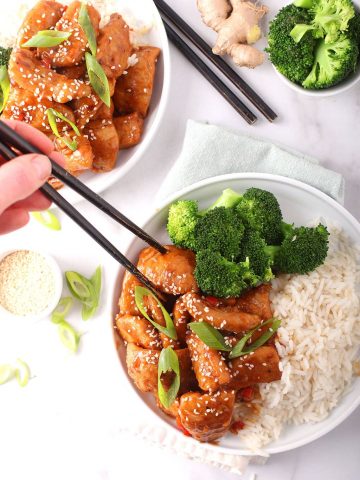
<point x="318" y="342"/>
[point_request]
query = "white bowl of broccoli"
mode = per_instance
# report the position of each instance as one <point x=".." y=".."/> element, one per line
<point x="314" y="46"/>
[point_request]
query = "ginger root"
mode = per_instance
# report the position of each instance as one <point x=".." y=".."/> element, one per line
<point x="237" y="25"/>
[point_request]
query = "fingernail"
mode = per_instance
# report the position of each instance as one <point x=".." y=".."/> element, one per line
<point x="42" y="166"/>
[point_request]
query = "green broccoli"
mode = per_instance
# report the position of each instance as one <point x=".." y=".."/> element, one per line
<point x="330" y="18"/>
<point x="291" y="59"/>
<point x="333" y="62"/>
<point x="5" y="56"/>
<point x="354" y="28"/>
<point x="183" y="216"/>
<point x="220" y="230"/>
<point x="227" y="199"/>
<point x="261" y="211"/>
<point x="302" y="250"/>
<point x="217" y="276"/>
<point x="253" y="249"/>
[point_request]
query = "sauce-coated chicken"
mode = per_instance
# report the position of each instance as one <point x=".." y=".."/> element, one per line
<point x="138" y="330"/>
<point x="29" y="73"/>
<point x="228" y="318"/>
<point x="172" y="272"/>
<point x="207" y="416"/>
<point x="104" y="141"/>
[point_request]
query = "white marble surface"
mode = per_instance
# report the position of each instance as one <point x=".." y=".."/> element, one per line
<point x="65" y="423"/>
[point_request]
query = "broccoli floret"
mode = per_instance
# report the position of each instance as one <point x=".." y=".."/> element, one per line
<point x="227" y="199"/>
<point x="353" y="30"/>
<point x="302" y="250"/>
<point x="261" y="211"/>
<point x="183" y="216"/>
<point x="217" y="276"/>
<point x="330" y="18"/>
<point x="253" y="249"/>
<point x="220" y="230"/>
<point x="5" y="56"/>
<point x="291" y="59"/>
<point x="333" y="62"/>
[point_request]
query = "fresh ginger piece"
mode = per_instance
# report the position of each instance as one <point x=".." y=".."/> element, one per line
<point x="237" y="25"/>
<point x="214" y="12"/>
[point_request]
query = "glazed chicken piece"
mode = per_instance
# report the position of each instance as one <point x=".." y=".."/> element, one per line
<point x="256" y="301"/>
<point x="143" y="369"/>
<point x="23" y="105"/>
<point x="221" y="317"/>
<point x="261" y="366"/>
<point x="207" y="416"/>
<point x="114" y="46"/>
<point x="76" y="72"/>
<point x="209" y="365"/>
<point x="104" y="141"/>
<point x="127" y="303"/>
<point x="138" y="330"/>
<point x="173" y="410"/>
<point x="29" y="73"/>
<point x="181" y="318"/>
<point x="85" y="109"/>
<point x="80" y="159"/>
<point x="129" y="129"/>
<point x="172" y="272"/>
<point x="71" y="51"/>
<point x="106" y="113"/>
<point x="133" y="91"/>
<point x="42" y="16"/>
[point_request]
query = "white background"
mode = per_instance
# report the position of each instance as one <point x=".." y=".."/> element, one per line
<point x="65" y="423"/>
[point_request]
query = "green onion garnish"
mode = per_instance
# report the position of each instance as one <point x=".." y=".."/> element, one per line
<point x="7" y="372"/>
<point x="169" y="330"/>
<point x="22" y="372"/>
<point x="52" y="115"/>
<point x="98" y="78"/>
<point x="87" y="26"/>
<point x="240" y="350"/>
<point x="209" y="335"/>
<point x="86" y="290"/>
<point x="48" y="219"/>
<point x="168" y="362"/>
<point x="69" y="336"/>
<point x="47" y="38"/>
<point x="62" y="310"/>
<point x="4" y="87"/>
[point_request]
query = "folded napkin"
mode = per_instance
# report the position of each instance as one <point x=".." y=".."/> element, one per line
<point x="209" y="150"/>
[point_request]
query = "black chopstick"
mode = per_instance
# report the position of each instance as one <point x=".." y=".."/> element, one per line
<point x="8" y="154"/>
<point x="244" y="88"/>
<point x="9" y="136"/>
<point x="210" y="76"/>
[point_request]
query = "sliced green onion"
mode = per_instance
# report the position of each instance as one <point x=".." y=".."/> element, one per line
<point x="22" y="372"/>
<point x="87" y="26"/>
<point x="79" y="286"/>
<point x="168" y="362"/>
<point x="7" y="372"/>
<point x="240" y="350"/>
<point x="48" y="219"/>
<point x="169" y="330"/>
<point x="90" y="307"/>
<point x="4" y="87"/>
<point x="209" y="335"/>
<point x="52" y="115"/>
<point x="47" y="38"/>
<point x="98" y="78"/>
<point x="69" y="336"/>
<point x="62" y="310"/>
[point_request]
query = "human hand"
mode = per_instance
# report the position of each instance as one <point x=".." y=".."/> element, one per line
<point x="21" y="178"/>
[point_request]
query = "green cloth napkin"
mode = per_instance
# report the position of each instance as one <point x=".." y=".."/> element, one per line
<point x="209" y="151"/>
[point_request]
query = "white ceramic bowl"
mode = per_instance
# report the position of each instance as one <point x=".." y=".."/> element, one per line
<point x="58" y="278"/>
<point x="300" y="203"/>
<point x="346" y="84"/>
<point x="137" y="13"/>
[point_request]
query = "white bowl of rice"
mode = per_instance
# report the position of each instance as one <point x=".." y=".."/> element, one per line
<point x="319" y="340"/>
<point x="147" y="29"/>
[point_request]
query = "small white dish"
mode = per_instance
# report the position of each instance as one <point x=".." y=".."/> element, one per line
<point x="299" y="202"/>
<point x="58" y="287"/>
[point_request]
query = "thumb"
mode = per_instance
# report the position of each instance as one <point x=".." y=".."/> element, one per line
<point x="21" y="177"/>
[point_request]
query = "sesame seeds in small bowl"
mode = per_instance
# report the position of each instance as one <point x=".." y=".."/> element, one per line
<point x="30" y="285"/>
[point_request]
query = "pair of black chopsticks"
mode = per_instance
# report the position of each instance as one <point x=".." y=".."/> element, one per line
<point x="11" y="140"/>
<point x="169" y="16"/>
